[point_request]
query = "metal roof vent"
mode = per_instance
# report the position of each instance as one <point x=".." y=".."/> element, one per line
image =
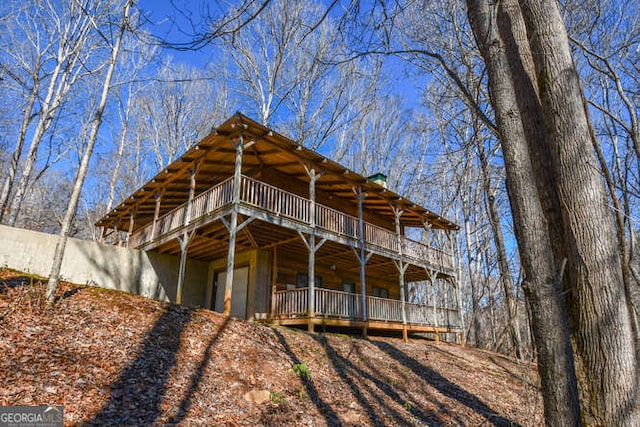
<point x="380" y="179"/>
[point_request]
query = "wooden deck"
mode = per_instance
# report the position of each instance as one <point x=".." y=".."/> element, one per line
<point x="344" y="309"/>
<point x="277" y="206"/>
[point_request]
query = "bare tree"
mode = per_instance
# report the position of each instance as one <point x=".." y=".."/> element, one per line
<point x="66" y="40"/>
<point x="96" y="121"/>
<point x="178" y="109"/>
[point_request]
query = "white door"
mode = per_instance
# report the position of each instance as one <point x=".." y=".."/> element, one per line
<point x="238" y="295"/>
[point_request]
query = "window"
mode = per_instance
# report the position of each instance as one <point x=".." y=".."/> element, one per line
<point x="380" y="292"/>
<point x="349" y="287"/>
<point x="302" y="281"/>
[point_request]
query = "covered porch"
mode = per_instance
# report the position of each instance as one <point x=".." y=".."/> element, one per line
<point x="334" y="308"/>
<point x="288" y="232"/>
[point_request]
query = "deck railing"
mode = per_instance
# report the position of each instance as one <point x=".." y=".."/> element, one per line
<point x="276" y="201"/>
<point x="292" y="303"/>
<point x="337" y="304"/>
<point x="345" y="305"/>
<point x="387" y="310"/>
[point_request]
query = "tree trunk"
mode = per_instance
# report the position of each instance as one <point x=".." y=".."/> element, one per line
<point x="503" y="262"/>
<point x="22" y="135"/>
<point x="475" y="298"/>
<point x="600" y="319"/>
<point x="54" y="277"/>
<point x="49" y="106"/>
<point x="541" y="286"/>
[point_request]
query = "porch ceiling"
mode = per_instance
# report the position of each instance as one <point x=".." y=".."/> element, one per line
<point x="271" y="155"/>
<point x="211" y="242"/>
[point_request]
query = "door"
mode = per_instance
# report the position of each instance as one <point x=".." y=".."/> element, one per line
<point x="351" y="299"/>
<point x="238" y="294"/>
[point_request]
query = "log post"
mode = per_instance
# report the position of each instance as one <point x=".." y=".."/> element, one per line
<point x="131" y="223"/>
<point x="156" y="213"/>
<point x="274" y="278"/>
<point x="233" y="225"/>
<point x="186" y="236"/>
<point x="363" y="258"/>
<point x="311" y="300"/>
<point x="402" y="268"/>
<point x="311" y="242"/>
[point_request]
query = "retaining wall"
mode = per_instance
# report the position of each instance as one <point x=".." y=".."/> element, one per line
<point x="145" y="273"/>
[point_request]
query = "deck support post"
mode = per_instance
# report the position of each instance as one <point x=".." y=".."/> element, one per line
<point x="311" y="243"/>
<point x="183" y="241"/>
<point x="274" y="278"/>
<point x="232" y="225"/>
<point x="363" y="257"/>
<point x="402" y="268"/>
<point x="103" y="233"/>
<point x="116" y="231"/>
<point x="186" y="236"/>
<point x="156" y="213"/>
<point x="131" y="223"/>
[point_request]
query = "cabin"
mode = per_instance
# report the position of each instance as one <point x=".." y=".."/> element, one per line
<point x="293" y="238"/>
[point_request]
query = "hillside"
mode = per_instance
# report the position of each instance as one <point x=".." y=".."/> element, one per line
<point x="117" y="359"/>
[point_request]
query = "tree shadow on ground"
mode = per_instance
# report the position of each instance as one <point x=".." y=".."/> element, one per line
<point x="522" y="376"/>
<point x="350" y="373"/>
<point x="21" y="281"/>
<point x="136" y="397"/>
<point x="324" y="408"/>
<point x="196" y="378"/>
<point x="444" y="386"/>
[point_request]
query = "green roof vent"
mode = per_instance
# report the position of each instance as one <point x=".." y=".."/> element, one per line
<point x="379" y="178"/>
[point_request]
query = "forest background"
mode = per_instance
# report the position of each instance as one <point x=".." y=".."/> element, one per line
<point x="402" y="88"/>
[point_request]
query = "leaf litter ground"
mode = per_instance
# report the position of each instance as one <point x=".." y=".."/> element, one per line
<point x="112" y="358"/>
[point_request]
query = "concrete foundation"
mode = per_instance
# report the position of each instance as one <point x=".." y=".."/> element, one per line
<point x="144" y="273"/>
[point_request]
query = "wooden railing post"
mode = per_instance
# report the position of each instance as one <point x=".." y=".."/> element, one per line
<point x="312" y="243"/>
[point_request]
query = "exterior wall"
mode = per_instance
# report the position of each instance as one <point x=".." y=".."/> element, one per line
<point x="259" y="289"/>
<point x="144" y="273"/>
<point x="332" y="279"/>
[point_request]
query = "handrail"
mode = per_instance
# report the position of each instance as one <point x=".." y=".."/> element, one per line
<point x="346" y="305"/>
<point x="273" y="199"/>
<point x="279" y="202"/>
<point x="204" y="203"/>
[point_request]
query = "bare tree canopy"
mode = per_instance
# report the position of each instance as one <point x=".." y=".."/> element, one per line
<point x="519" y="119"/>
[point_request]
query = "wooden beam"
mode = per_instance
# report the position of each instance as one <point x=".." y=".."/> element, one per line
<point x="280" y="243"/>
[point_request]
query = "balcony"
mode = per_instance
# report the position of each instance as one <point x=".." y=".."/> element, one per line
<point x="289" y="210"/>
<point x="291" y="306"/>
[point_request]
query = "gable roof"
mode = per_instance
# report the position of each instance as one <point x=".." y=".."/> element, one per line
<point x="215" y="158"/>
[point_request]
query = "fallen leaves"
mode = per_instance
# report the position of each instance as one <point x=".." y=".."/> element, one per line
<point x="114" y="358"/>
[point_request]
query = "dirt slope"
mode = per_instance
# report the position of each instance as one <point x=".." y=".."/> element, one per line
<point x="116" y="359"/>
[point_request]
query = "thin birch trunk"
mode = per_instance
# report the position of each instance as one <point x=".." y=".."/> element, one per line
<point x="54" y="277"/>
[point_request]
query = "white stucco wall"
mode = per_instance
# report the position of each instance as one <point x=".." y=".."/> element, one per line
<point x="111" y="267"/>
